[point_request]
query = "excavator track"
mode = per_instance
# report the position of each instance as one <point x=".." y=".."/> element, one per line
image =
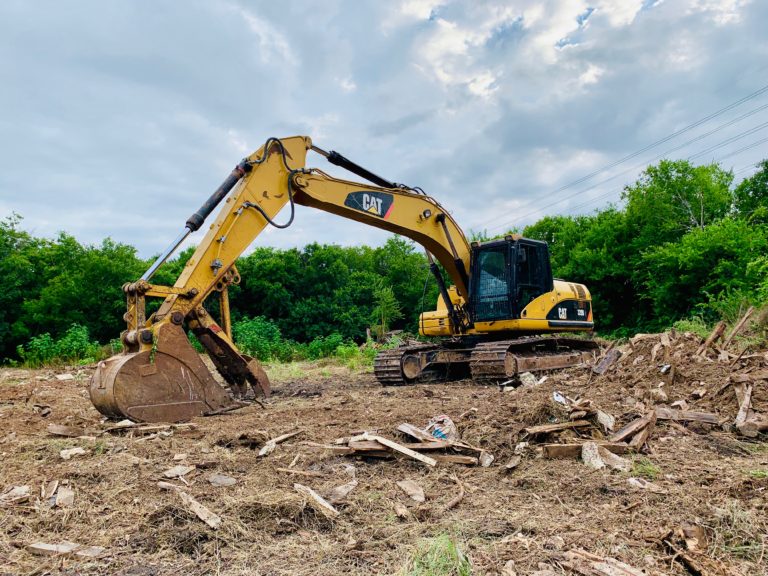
<point x="493" y="362"/>
<point x="388" y="365"/>
<point x="486" y="362"/>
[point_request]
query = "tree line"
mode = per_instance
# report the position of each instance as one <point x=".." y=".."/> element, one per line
<point x="686" y="242"/>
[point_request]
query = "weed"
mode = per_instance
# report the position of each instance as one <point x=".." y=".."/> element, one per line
<point x="645" y="468"/>
<point x="438" y="556"/>
<point x="695" y="325"/>
<point x="738" y="531"/>
<point x="758" y="474"/>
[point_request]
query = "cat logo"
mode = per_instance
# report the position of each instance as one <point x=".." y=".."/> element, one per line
<point x="562" y="313"/>
<point x="374" y="203"/>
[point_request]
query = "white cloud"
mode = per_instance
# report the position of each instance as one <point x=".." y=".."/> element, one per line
<point x="347" y="84"/>
<point x="721" y="12"/>
<point x="272" y="44"/>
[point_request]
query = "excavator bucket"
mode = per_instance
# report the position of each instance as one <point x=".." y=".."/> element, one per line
<point x="170" y="383"/>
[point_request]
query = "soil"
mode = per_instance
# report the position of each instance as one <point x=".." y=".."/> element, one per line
<point x="703" y="475"/>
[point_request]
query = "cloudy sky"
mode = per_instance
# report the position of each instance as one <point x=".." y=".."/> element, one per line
<point x="119" y="118"/>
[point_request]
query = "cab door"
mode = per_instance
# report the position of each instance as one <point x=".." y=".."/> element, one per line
<point x="532" y="275"/>
<point x="491" y="279"/>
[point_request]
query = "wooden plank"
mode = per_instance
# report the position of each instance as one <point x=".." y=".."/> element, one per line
<point x="401" y="449"/>
<point x="664" y="413"/>
<point x="415" y="432"/>
<point x="553" y="451"/>
<point x="547" y="428"/>
<point x="213" y="520"/>
<point x="750" y="377"/>
<point x="744" y="406"/>
<point x="316" y="501"/>
<point x="608" y="360"/>
<point x="639" y="439"/>
<point x="630" y="429"/>
<point x="330" y="448"/>
<point x="455" y="459"/>
<point x="270" y="446"/>
<point x="310" y="473"/>
<point x="716" y="333"/>
<point x="738" y="326"/>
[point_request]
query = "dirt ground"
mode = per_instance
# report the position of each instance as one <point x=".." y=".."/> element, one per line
<point x="702" y="475"/>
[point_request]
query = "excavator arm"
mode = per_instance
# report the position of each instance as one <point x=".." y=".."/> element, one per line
<point x="160" y="377"/>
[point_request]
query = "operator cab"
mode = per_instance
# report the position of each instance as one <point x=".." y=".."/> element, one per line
<point x="506" y="276"/>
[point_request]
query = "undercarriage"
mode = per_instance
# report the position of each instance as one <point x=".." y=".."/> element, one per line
<point x="485" y="362"/>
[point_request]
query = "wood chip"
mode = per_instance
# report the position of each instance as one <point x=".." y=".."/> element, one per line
<point x="613" y="461"/>
<point x="65" y="497"/>
<point x="339" y="493"/>
<point x="317" y="502"/>
<point x="211" y="519"/>
<point x="401" y="511"/>
<point x="270" y="446"/>
<point x="455" y="459"/>
<point x="295" y="472"/>
<point x="607" y="421"/>
<point x="48" y="489"/>
<point x="66" y="549"/>
<point x="413" y="490"/>
<point x="608" y="360"/>
<point x="513" y="463"/>
<point x="639" y="439"/>
<point x="66" y="431"/>
<point x="15" y="495"/>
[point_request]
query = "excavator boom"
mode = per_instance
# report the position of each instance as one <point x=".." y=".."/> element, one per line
<point x="160" y="376"/>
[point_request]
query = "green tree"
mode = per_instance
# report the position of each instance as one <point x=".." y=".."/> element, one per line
<point x="387" y="307"/>
<point x="751" y="196"/>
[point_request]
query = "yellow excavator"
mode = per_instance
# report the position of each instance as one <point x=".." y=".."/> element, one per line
<point x="496" y="315"/>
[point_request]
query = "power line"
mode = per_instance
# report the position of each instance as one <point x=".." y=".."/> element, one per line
<point x="645" y="163"/>
<point x="661" y="141"/>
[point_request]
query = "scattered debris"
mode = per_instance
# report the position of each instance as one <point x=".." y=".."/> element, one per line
<point x="178" y="471"/>
<point x="607" y="361"/>
<point x="644" y="484"/>
<point x="221" y="480"/>
<point x="416" y="432"/>
<point x="513" y="463"/>
<point x="413" y="490"/>
<point x="270" y="446"/>
<point x="66" y="549"/>
<point x="65" y="496"/>
<point x="14" y="495"/>
<point x="339" y="493"/>
<point x="211" y="519"/>
<point x="295" y="472"/>
<point x="583" y="562"/>
<point x="317" y="502"/>
<point x="459" y="497"/>
<point x="67" y="431"/>
<point x="664" y="413"/>
<point x="399" y="448"/>
<point x="443" y="428"/>
<point x="574" y="450"/>
<point x="548" y="428"/>
<point x="68" y="453"/>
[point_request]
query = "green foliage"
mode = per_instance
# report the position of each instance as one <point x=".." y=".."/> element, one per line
<point x="438" y="556"/>
<point x="387" y="307"/>
<point x="645" y="468"/>
<point x="258" y="337"/>
<point x="751" y="196"/>
<point x="695" y="325"/>
<point x="75" y="346"/>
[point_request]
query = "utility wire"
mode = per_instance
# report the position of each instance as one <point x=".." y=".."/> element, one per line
<point x="661" y="141"/>
<point x="645" y="163"/>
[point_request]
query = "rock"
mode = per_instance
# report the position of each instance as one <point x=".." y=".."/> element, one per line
<point x="339" y="493"/>
<point x="612" y="460"/>
<point x="64" y="377"/>
<point x="68" y="453"/>
<point x="221" y="480"/>
<point x="607" y="421"/>
<point x="528" y="379"/>
<point x="591" y="456"/>
<point x="486" y="459"/>
<point x="643" y="484"/>
<point x="509" y="569"/>
<point x="401" y="511"/>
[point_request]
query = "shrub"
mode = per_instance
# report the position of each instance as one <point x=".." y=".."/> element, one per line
<point x="258" y="337"/>
<point x="74" y="346"/>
